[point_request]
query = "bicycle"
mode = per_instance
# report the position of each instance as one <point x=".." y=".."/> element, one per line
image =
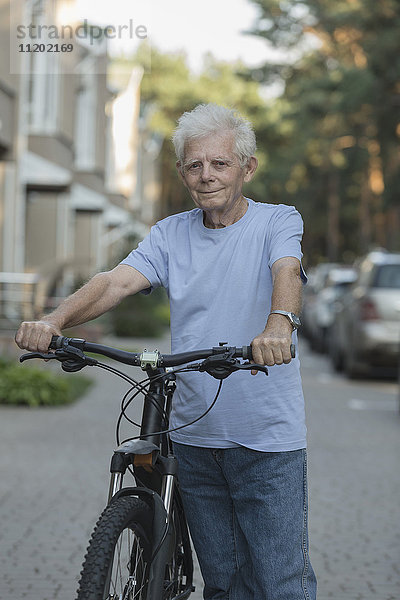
<point x="140" y="547"/>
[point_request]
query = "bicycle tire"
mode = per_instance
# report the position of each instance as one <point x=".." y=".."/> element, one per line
<point x="130" y="517"/>
<point x="117" y="561"/>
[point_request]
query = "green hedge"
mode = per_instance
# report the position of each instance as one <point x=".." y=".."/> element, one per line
<point x="142" y="315"/>
<point x="29" y="386"/>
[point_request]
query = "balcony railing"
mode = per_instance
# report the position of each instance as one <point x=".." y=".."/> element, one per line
<point x="21" y="298"/>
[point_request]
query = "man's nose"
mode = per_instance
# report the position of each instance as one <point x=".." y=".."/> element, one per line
<point x="207" y="172"/>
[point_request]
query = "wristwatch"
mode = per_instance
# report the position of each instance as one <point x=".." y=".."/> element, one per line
<point x="294" y="319"/>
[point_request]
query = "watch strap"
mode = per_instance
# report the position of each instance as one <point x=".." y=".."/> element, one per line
<point x="287" y="314"/>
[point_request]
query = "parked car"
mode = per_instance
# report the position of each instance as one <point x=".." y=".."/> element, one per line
<point x="316" y="281"/>
<point x="328" y="283"/>
<point x="366" y="330"/>
<point x="398" y="381"/>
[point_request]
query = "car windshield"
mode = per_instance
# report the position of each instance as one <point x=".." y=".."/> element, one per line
<point x="388" y="276"/>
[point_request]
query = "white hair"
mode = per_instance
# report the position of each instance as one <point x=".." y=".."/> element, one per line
<point x="208" y="119"/>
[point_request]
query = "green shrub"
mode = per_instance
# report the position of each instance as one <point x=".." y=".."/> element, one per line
<point x="4" y="362"/>
<point x="20" y="385"/>
<point x="142" y="315"/>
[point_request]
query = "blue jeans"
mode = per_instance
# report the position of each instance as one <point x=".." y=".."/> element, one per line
<point x="247" y="514"/>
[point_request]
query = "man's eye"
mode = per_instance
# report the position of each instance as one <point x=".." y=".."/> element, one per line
<point x="220" y="163"/>
<point x="194" y="166"/>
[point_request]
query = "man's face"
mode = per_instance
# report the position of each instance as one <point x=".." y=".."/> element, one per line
<point x="212" y="173"/>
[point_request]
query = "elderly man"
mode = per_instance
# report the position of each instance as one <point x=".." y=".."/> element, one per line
<point x="232" y="271"/>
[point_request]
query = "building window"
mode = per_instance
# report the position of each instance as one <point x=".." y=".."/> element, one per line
<point x="41" y="215"/>
<point x="86" y="112"/>
<point x="44" y="82"/>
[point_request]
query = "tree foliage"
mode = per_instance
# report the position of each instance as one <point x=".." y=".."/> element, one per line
<point x="334" y="138"/>
<point x="329" y="143"/>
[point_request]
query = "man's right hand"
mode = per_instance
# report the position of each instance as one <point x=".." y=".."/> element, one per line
<point x="35" y="336"/>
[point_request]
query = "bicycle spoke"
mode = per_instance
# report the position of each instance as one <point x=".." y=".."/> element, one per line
<point x="128" y="578"/>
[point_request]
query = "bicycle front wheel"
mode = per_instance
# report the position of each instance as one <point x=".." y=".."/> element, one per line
<point x="117" y="563"/>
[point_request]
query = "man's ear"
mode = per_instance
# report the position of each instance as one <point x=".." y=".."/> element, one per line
<point x="250" y="169"/>
<point x="180" y="171"/>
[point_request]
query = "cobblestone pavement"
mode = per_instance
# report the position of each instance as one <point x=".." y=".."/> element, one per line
<point x="54" y="479"/>
<point x="354" y="452"/>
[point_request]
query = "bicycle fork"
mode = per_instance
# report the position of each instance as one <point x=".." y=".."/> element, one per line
<point x="167" y="466"/>
<point x="161" y="504"/>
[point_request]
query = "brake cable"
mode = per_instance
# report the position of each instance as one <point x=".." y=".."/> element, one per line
<point x="140" y="437"/>
<point x="218" y="366"/>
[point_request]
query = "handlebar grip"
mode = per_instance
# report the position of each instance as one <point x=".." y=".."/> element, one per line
<point x="247" y="352"/>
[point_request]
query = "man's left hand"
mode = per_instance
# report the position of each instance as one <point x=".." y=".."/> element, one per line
<point x="272" y="346"/>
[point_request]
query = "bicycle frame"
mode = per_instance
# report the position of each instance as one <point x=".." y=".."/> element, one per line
<point x="155" y="470"/>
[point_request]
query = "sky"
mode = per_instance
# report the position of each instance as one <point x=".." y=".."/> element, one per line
<point x="215" y="26"/>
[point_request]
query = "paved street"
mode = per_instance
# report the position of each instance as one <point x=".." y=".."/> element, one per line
<point x="354" y="452"/>
<point x="54" y="477"/>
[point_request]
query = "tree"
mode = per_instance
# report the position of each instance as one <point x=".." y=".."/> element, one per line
<point x="336" y="139"/>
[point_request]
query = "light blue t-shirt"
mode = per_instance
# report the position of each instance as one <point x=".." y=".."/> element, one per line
<point x="219" y="285"/>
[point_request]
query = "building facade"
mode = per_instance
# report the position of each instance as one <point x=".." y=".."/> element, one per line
<point x="66" y="207"/>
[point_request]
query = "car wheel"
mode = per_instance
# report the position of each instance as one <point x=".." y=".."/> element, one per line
<point x="336" y="359"/>
<point x="398" y="381"/>
<point x="352" y="368"/>
<point x="334" y="351"/>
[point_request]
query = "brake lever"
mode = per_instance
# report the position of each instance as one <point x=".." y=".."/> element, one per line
<point x="49" y="356"/>
<point x="71" y="359"/>
<point x="252" y="367"/>
<point x="221" y="367"/>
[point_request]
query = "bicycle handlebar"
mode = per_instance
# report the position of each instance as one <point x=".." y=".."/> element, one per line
<point x="166" y="360"/>
<point x="218" y="361"/>
<point x="154" y="358"/>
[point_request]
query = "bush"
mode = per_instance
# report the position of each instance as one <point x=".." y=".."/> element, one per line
<point x="142" y="315"/>
<point x="35" y="387"/>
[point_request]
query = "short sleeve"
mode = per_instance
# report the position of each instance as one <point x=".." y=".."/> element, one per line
<point x="285" y="236"/>
<point x="150" y="258"/>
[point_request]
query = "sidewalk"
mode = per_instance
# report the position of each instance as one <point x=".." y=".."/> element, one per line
<point x="54" y="481"/>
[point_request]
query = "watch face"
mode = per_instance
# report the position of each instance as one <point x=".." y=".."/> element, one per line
<point x="296" y="320"/>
